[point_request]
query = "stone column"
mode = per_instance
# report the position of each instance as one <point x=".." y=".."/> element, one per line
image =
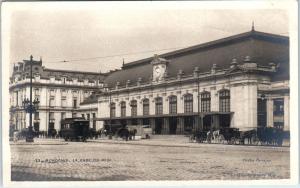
<point x="270" y="105"/>
<point x="152" y="123"/>
<point x="286" y="126"/>
<point x="215" y="119"/>
<point x="165" y="126"/>
<point x="196" y="120"/>
<point x="179" y="128"/>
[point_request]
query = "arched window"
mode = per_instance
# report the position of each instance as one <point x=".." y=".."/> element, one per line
<point x="133" y="105"/>
<point x="205" y="102"/>
<point x="113" y="109"/>
<point x="172" y="104"/>
<point x="146" y="107"/>
<point x="158" y="105"/>
<point x="188" y="103"/>
<point x="123" y="108"/>
<point x="224" y="100"/>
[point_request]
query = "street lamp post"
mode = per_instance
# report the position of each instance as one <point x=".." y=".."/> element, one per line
<point x="108" y="92"/>
<point x="30" y="106"/>
<point x="110" y="133"/>
<point x="198" y="94"/>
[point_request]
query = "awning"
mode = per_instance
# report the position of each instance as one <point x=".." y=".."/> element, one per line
<point x="201" y="114"/>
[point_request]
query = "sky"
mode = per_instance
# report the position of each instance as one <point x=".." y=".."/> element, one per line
<point x="97" y="37"/>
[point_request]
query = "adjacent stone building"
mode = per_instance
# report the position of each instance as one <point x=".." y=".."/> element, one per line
<point x="60" y="93"/>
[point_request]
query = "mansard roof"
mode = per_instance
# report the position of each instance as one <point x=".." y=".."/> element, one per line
<point x="45" y="73"/>
<point x="263" y="48"/>
<point x="90" y="100"/>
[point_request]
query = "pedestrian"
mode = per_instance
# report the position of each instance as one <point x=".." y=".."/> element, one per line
<point x="16" y="135"/>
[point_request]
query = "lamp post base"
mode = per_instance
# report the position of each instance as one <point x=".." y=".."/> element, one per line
<point x="29" y="136"/>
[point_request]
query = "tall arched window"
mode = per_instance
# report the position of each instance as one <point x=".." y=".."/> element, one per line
<point x="172" y="104"/>
<point x="224" y="100"/>
<point x="123" y="108"/>
<point x="146" y="107"/>
<point x="188" y="103"/>
<point x="205" y="102"/>
<point x="133" y="105"/>
<point x="158" y="105"/>
<point x="113" y="109"/>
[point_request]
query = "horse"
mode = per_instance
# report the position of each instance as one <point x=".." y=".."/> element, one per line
<point x="123" y="133"/>
<point x="209" y="136"/>
<point x="215" y="135"/>
<point x="250" y="136"/>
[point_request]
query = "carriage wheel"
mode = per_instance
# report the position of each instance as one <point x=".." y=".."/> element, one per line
<point x="232" y="140"/>
<point x="221" y="139"/>
<point x="191" y="138"/>
<point x="254" y="140"/>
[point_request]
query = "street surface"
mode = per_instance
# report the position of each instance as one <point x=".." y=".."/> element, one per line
<point x="161" y="158"/>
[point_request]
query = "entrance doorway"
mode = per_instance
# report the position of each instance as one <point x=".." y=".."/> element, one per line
<point x="224" y="120"/>
<point x="207" y="122"/>
<point x="134" y="122"/>
<point x="261" y="113"/>
<point x="158" y="125"/>
<point x="146" y="121"/>
<point x="172" y="125"/>
<point x="123" y="122"/>
<point x="36" y="126"/>
<point x="188" y="123"/>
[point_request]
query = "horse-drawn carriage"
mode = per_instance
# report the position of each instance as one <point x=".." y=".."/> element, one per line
<point x="127" y="132"/>
<point x="75" y="129"/>
<point x="228" y="134"/>
<point x="263" y="136"/>
<point x="255" y="136"/>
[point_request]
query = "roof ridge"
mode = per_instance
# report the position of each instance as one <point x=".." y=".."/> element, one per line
<point x="72" y="71"/>
<point x="208" y="44"/>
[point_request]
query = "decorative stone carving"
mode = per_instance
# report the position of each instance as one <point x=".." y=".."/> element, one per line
<point x="213" y="69"/>
<point x="127" y="83"/>
<point x="180" y="74"/>
<point x="117" y="85"/>
<point x="273" y="66"/>
<point x="248" y="63"/>
<point x="196" y="71"/>
<point x="233" y="63"/>
<point x="139" y="81"/>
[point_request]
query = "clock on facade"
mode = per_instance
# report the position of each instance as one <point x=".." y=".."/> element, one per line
<point x="159" y="68"/>
<point x="158" y="72"/>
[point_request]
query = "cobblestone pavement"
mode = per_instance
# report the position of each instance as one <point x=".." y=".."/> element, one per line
<point x="169" y="158"/>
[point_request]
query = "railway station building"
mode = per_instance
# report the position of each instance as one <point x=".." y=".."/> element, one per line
<point x="241" y="81"/>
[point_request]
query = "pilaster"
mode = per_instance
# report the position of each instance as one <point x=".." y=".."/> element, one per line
<point x="270" y="105"/>
<point x="286" y="113"/>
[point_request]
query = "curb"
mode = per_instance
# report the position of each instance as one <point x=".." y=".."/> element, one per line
<point x="34" y="144"/>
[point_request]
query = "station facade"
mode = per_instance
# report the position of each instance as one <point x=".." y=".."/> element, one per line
<point x="241" y="81"/>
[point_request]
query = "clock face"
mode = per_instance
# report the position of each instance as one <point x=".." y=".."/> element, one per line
<point x="158" y="72"/>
